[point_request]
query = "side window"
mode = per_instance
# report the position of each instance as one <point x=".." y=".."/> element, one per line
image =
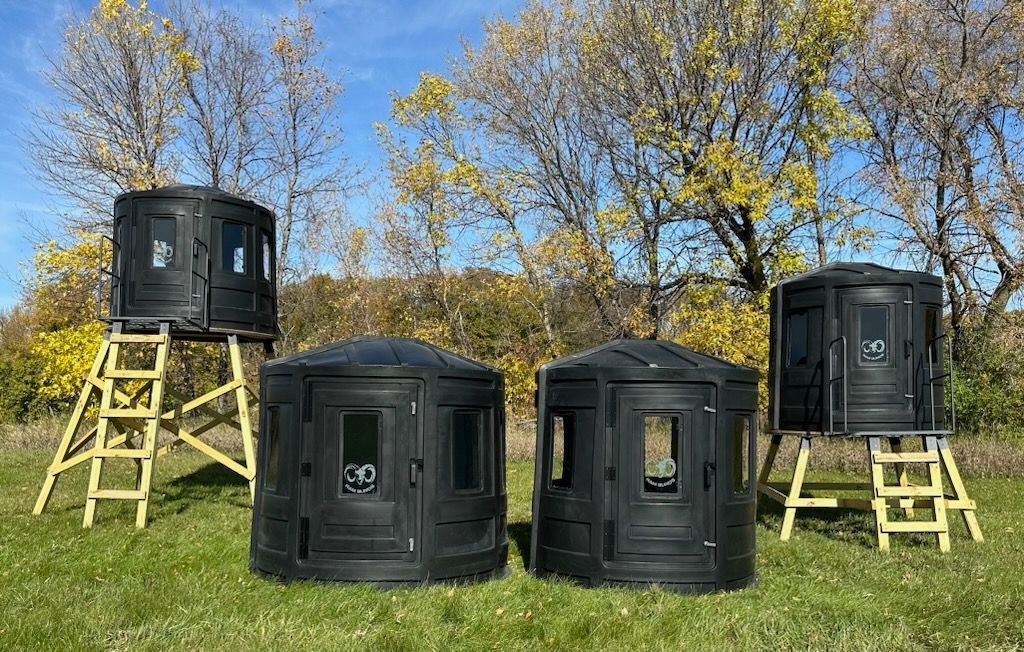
<point x="874" y="342"/>
<point x="233" y="247"/>
<point x="466" y="444"/>
<point x="796" y="341"/>
<point x="267" y="256"/>
<point x="563" y="438"/>
<point x="932" y="329"/>
<point x="661" y="464"/>
<point x="360" y="445"/>
<point x="742" y="428"/>
<point x="273" y="434"/>
<point x="165" y="245"/>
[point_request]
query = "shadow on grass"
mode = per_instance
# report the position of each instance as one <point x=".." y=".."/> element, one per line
<point x="206" y="482"/>
<point x="519" y="532"/>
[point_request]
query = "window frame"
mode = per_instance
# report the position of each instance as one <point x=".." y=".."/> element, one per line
<point x="480" y="480"/>
<point x="747" y="447"/>
<point x="805" y="313"/>
<point x="266" y="256"/>
<point x="378" y="492"/>
<point x="889" y="360"/>
<point x="569" y="426"/>
<point x="175" y="260"/>
<point x="246" y="266"/>
<point x="676" y="445"/>
<point x="272" y="463"/>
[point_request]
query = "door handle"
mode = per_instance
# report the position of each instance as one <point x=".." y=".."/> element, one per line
<point x="709" y="472"/>
<point x="414" y="466"/>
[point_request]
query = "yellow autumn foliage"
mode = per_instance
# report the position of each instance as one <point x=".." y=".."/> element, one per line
<point x="65" y="357"/>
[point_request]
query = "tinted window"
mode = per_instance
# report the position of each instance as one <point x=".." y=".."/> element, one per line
<point x="233" y="238"/>
<point x="273" y="430"/>
<point x="466" y="451"/>
<point x="360" y="433"/>
<point x="874" y="334"/>
<point x="741" y="429"/>
<point x="266" y="256"/>
<point x="661" y="454"/>
<point x="796" y="355"/>
<point x="165" y="249"/>
<point x="563" y="435"/>
<point x="932" y="329"/>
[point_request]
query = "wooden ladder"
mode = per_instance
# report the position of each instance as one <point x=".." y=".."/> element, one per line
<point x="149" y="415"/>
<point x="905" y="495"/>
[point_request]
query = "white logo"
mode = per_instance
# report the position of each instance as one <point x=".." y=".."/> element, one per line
<point x="873" y="349"/>
<point x="163" y="254"/>
<point x="662" y="473"/>
<point x="360" y="479"/>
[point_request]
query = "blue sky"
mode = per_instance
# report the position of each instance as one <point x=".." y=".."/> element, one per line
<point x="378" y="47"/>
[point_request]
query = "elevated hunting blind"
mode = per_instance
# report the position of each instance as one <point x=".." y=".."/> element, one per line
<point x="859" y="350"/>
<point x="191" y="264"/>
<point x="382" y="460"/>
<point x="645" y="454"/>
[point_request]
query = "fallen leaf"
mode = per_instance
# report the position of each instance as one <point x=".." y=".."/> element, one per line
<point x="625" y="612"/>
<point x="499" y="611"/>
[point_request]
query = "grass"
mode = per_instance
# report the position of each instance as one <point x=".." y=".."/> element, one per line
<point x="183" y="583"/>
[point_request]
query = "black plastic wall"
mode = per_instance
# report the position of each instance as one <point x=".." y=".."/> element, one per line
<point x="427" y="510"/>
<point x="605" y="517"/>
<point x="198" y="256"/>
<point x="885" y="319"/>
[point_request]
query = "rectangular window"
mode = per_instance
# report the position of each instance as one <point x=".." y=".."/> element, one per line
<point x="742" y="428"/>
<point x="273" y="432"/>
<point x="466" y="443"/>
<point x="932" y="329"/>
<point x="165" y="235"/>
<point x="563" y="435"/>
<point x="796" y="348"/>
<point x="874" y="335"/>
<point x="233" y="239"/>
<point x="360" y="438"/>
<point x="661" y="454"/>
<point x="266" y="256"/>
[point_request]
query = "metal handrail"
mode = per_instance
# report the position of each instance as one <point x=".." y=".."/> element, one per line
<point x="115" y="249"/>
<point x="196" y="244"/>
<point x="832" y="378"/>
<point x="947" y="374"/>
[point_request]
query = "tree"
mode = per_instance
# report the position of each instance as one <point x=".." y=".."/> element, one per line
<point x="939" y="84"/>
<point x="119" y="84"/>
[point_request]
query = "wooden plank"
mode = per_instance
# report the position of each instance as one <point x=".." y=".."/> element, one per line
<point x="126" y="338"/>
<point x="128" y="413"/>
<point x="949" y="467"/>
<point x="117" y="494"/>
<point x="915" y="526"/>
<point x="901" y="474"/>
<point x="242" y="402"/>
<point x="134" y="374"/>
<point x="795" y="488"/>
<point x="878" y="482"/>
<point x="156" y="398"/>
<point x="811" y="486"/>
<point x="773" y="493"/>
<point x="935" y="475"/>
<point x="906" y="458"/>
<point x="124" y="453"/>
<point x="106" y="396"/>
<point x="907" y="492"/>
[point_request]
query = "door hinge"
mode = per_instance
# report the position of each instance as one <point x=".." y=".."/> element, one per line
<point x="412" y="544"/>
<point x="306" y="469"/>
<point x="710" y="409"/>
<point x="609" y="539"/>
<point x="303" y="537"/>
<point x="414" y="407"/>
<point x="609" y="473"/>
<point x="710" y="544"/>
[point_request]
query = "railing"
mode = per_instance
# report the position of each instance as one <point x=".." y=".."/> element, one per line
<point x="115" y="278"/>
<point x="832" y="378"/>
<point x="203" y="317"/>
<point x="942" y="376"/>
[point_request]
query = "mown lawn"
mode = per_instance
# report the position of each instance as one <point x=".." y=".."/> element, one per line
<point x="184" y="584"/>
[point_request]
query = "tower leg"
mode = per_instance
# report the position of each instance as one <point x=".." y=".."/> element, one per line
<point x="796" y="487"/>
<point x="106" y="396"/>
<point x="960" y="501"/>
<point x="242" y="400"/>
<point x="878" y="500"/>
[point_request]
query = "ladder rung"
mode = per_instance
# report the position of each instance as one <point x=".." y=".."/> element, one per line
<point x="126" y="453"/>
<point x="135" y="374"/>
<point x="124" y="338"/>
<point x="904" y="458"/>
<point x="127" y="413"/>
<point x="914" y="526"/>
<point x="908" y="492"/>
<point x="118" y="494"/>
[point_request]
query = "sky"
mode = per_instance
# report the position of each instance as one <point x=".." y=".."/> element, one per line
<point x="376" y="47"/>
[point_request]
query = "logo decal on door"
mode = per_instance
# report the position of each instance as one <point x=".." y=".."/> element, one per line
<point x="661" y="474"/>
<point x="360" y="479"/>
<point x="873" y="349"/>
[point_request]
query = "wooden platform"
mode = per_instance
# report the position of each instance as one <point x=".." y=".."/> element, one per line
<point x="903" y="496"/>
<point x="137" y="419"/>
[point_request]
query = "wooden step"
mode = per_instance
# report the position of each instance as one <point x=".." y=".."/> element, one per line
<point x="125" y="453"/>
<point x="127" y="413"/>
<point x="118" y="494"/>
<point x="133" y="374"/>
<point x="122" y="338"/>
<point x="926" y="457"/>
<point x="908" y="492"/>
<point x="913" y="526"/>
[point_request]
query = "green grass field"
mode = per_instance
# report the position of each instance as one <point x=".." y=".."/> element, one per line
<point x="183" y="583"/>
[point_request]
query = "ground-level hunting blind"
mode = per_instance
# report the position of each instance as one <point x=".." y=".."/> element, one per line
<point x="188" y="264"/>
<point x="858" y="350"/>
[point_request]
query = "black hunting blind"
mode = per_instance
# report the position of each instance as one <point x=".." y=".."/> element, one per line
<point x="189" y="264"/>
<point x="382" y="460"/>
<point x="858" y="350"/>
<point x="645" y="454"/>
